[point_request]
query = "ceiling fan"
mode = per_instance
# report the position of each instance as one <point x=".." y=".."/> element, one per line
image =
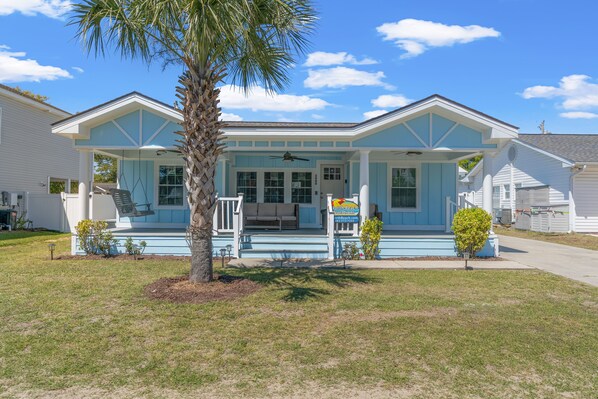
<point x="163" y="152"/>
<point x="408" y="153"/>
<point x="287" y="157"/>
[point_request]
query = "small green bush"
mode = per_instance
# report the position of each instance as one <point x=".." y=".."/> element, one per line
<point x="94" y="237"/>
<point x="471" y="227"/>
<point x="133" y="249"/>
<point x="371" y="231"/>
<point x="352" y="251"/>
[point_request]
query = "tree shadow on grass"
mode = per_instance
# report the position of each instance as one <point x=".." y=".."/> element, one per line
<point x="301" y="284"/>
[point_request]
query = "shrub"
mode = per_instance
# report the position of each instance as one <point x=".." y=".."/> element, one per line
<point x="133" y="249"/>
<point x="471" y="227"/>
<point x="94" y="237"/>
<point x="371" y="231"/>
<point x="352" y="251"/>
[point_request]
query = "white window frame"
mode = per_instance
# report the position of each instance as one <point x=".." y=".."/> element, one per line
<point x="156" y="204"/>
<point x="287" y="182"/>
<point x="67" y="187"/>
<point x="418" y="186"/>
<point x="235" y="181"/>
<point x="506" y="189"/>
<point x="313" y="185"/>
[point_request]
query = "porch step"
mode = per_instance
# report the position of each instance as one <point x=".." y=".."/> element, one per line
<point x="283" y="246"/>
<point x="283" y="254"/>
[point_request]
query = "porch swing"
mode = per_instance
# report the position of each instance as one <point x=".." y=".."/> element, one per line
<point x="123" y="199"/>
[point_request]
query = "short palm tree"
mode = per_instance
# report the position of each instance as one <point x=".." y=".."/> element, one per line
<point x="242" y="42"/>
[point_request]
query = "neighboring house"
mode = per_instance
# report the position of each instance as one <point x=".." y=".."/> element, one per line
<point x="34" y="163"/>
<point x="401" y="166"/>
<point x="549" y="182"/>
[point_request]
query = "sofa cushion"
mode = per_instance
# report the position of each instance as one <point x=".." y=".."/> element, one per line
<point x="266" y="210"/>
<point x="266" y="218"/>
<point x="288" y="217"/>
<point x="285" y="210"/>
<point x="249" y="209"/>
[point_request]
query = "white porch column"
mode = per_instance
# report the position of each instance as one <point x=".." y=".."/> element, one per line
<point x="85" y="168"/>
<point x="364" y="185"/>
<point x="487" y="183"/>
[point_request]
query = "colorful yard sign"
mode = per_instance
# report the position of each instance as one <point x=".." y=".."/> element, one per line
<point x="345" y="211"/>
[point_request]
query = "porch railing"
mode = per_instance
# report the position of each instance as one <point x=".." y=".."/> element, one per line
<point x="238" y="225"/>
<point x="223" y="221"/>
<point x="452" y="208"/>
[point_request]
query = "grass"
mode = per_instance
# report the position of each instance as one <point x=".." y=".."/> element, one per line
<point x="575" y="240"/>
<point x="82" y="328"/>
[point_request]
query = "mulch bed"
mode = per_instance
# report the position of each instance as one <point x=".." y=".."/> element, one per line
<point x="125" y="257"/>
<point x="180" y="290"/>
<point x="454" y="258"/>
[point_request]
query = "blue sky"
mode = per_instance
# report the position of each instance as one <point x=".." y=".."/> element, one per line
<point x="522" y="61"/>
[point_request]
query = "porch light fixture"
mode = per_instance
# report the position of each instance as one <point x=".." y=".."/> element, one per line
<point x="229" y="248"/>
<point x="222" y="254"/>
<point x="345" y="255"/>
<point x="51" y="248"/>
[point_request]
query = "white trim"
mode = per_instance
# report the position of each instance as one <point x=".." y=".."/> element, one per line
<point x="396" y="165"/>
<point x="124" y="132"/>
<point x="156" y="133"/>
<point x="156" y="202"/>
<point x="448" y="132"/>
<point x="414" y="134"/>
<point x="36" y="104"/>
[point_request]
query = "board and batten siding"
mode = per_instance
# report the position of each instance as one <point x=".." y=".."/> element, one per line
<point x="530" y="169"/>
<point x="585" y="193"/>
<point x="29" y="152"/>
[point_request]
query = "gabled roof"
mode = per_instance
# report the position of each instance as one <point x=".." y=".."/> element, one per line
<point x="433" y="100"/>
<point x="14" y="93"/>
<point x="577" y="148"/>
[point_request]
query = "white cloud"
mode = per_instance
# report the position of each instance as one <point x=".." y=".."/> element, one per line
<point x="14" y="68"/>
<point x="339" y="77"/>
<point x="579" y="115"/>
<point x="576" y="91"/>
<point x="78" y="69"/>
<point x="322" y="58"/>
<point x="374" y="113"/>
<point x="393" y="101"/>
<point x="229" y="117"/>
<point x="258" y="99"/>
<point x="49" y="8"/>
<point x="317" y="116"/>
<point x="416" y="36"/>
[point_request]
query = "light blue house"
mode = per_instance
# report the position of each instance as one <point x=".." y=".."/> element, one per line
<point x="401" y="166"/>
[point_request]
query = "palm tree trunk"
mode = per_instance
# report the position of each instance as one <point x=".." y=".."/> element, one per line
<point x="200" y="145"/>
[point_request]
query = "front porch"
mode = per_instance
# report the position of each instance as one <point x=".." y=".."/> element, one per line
<point x="302" y="243"/>
<point x="400" y="167"/>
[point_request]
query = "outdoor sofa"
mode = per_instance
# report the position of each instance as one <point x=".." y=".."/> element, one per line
<point x="271" y="216"/>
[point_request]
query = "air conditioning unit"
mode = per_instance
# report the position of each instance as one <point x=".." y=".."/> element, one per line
<point x="506" y="216"/>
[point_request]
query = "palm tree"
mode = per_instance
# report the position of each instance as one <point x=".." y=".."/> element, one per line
<point x="242" y="42"/>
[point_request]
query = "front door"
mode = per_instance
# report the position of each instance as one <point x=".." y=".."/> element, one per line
<point x="332" y="182"/>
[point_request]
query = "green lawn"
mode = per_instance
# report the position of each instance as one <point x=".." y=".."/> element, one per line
<point x="575" y="240"/>
<point x="83" y="329"/>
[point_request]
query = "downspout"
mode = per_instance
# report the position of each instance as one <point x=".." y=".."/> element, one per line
<point x="576" y="170"/>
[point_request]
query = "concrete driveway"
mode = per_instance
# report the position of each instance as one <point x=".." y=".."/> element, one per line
<point x="574" y="263"/>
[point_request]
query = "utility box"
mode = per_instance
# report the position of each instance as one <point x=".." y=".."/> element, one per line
<point x="10" y="199"/>
<point x="506" y="216"/>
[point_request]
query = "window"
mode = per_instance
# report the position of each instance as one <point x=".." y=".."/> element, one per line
<point x="274" y="187"/>
<point x="301" y="187"/>
<point x="332" y="174"/>
<point x="247" y="184"/>
<point x="404" y="188"/>
<point x="495" y="197"/>
<point x="57" y="186"/>
<point x="507" y="191"/>
<point x="170" y="185"/>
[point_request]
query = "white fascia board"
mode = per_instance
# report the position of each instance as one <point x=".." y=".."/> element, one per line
<point x="36" y="104"/>
<point x="129" y="102"/>
<point x="566" y="163"/>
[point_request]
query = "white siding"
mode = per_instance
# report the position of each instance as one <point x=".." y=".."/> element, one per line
<point x="585" y="193"/>
<point x="530" y="168"/>
<point x="29" y="152"/>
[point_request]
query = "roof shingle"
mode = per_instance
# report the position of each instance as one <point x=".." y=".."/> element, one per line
<point x="574" y="147"/>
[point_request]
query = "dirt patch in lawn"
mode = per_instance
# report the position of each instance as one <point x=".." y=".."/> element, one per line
<point x="180" y="290"/>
